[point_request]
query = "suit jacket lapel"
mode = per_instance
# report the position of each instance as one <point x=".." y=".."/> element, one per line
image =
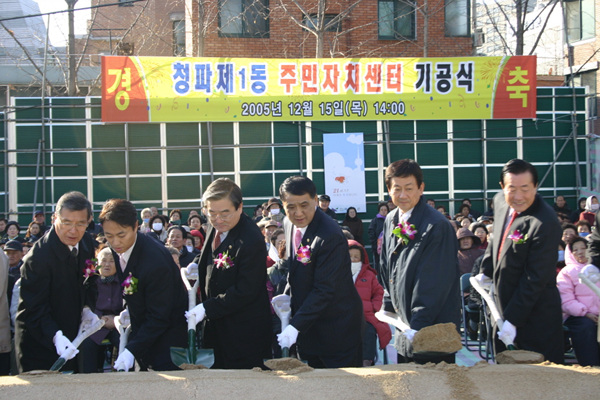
<point x="499" y="231"/>
<point x="396" y="243"/>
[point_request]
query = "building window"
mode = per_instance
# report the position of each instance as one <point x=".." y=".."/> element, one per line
<point x="311" y="22"/>
<point x="125" y="3"/>
<point x="396" y="19"/>
<point x="581" y="23"/>
<point x="244" y="18"/>
<point x="456" y="17"/>
<point x="179" y="38"/>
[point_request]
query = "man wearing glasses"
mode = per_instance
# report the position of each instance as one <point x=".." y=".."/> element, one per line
<point x="233" y="278"/>
<point x="51" y="298"/>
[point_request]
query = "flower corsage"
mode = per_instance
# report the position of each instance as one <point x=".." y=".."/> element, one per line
<point x="405" y="232"/>
<point x="223" y="261"/>
<point x="517" y="237"/>
<point x="91" y="268"/>
<point x="303" y="254"/>
<point x="129" y="285"/>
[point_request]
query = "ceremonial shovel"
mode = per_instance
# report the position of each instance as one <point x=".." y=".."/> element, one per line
<point x="281" y="305"/>
<point x="491" y="306"/>
<point x="90" y="323"/>
<point x="123" y="325"/>
<point x="192" y="355"/>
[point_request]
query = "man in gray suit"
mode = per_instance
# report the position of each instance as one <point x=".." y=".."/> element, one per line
<point x="419" y="269"/>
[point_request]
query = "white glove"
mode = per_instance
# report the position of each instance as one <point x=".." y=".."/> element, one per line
<point x="124" y="319"/>
<point x="87" y="316"/>
<point x="508" y="333"/>
<point x="64" y="347"/>
<point x="198" y="312"/>
<point x="409" y="334"/>
<point x="125" y="361"/>
<point x="192" y="271"/>
<point x="591" y="272"/>
<point x="287" y="337"/>
<point x="484" y="280"/>
<point x="281" y="301"/>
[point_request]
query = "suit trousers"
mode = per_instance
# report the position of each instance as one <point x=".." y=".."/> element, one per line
<point x="351" y="358"/>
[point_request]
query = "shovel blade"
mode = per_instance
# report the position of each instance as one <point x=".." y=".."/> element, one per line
<point x="180" y="355"/>
<point x="192" y="354"/>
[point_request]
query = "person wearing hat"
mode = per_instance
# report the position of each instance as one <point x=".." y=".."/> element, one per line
<point x="468" y="250"/>
<point x="14" y="251"/>
<point x="324" y="201"/>
<point x="274" y="210"/>
<point x="40" y="218"/>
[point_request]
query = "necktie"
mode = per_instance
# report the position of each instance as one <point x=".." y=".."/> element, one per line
<point x="217" y="241"/>
<point x="297" y="238"/>
<point x="123" y="263"/>
<point x="506" y="231"/>
<point x="74" y="252"/>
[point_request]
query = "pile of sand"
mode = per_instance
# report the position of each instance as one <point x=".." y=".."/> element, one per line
<point x="443" y="338"/>
<point x="519" y="357"/>
<point x="288" y="365"/>
<point x="407" y="381"/>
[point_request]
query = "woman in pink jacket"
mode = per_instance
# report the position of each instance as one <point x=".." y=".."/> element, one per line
<point x="580" y="305"/>
<point x="371" y="294"/>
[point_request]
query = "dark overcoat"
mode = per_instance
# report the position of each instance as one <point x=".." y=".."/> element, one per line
<point x="421" y="277"/>
<point x="51" y="299"/>
<point x="238" y="315"/>
<point x="524" y="276"/>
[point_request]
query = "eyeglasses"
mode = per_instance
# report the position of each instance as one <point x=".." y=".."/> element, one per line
<point x="69" y="224"/>
<point x="224" y="215"/>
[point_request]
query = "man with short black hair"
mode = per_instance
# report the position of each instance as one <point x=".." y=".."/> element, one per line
<point x="153" y="290"/>
<point x="51" y="297"/>
<point x="521" y="261"/>
<point x="327" y="318"/>
<point x="421" y="273"/>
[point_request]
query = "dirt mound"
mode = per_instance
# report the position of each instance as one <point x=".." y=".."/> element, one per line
<point x="519" y="357"/>
<point x="288" y="365"/>
<point x="443" y="338"/>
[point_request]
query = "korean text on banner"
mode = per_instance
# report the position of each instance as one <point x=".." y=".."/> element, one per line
<point x="170" y="89"/>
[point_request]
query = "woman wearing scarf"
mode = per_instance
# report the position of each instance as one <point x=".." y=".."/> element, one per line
<point x="591" y="208"/>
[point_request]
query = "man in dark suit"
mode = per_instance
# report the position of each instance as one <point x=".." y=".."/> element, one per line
<point x="521" y="261"/>
<point x="420" y="274"/>
<point x="51" y="297"/>
<point x="233" y="282"/>
<point x="327" y="317"/>
<point x="155" y="297"/>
